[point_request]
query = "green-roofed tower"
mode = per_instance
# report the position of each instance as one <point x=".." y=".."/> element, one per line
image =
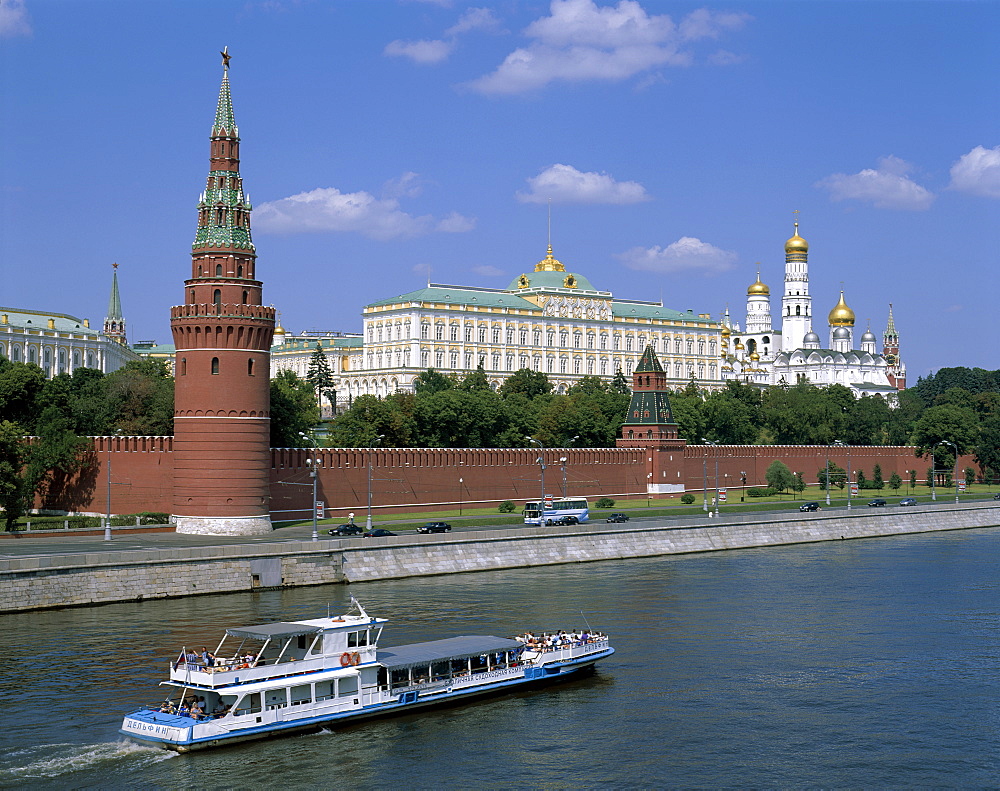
<point x="114" y="321"/>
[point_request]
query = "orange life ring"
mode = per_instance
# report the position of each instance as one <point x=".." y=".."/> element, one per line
<point x="355" y="658"/>
<point x="345" y="659"/>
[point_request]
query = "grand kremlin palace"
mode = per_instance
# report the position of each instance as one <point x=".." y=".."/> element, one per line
<point x="548" y="320"/>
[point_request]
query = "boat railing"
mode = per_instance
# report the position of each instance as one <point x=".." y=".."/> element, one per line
<point x="226" y="673"/>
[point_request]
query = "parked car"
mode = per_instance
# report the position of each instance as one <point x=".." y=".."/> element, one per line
<point x="996" y="497"/>
<point x="378" y="533"/>
<point x="908" y="501"/>
<point x="878" y="502"/>
<point x="616" y="517"/>
<point x="346" y="530"/>
<point x="564" y="520"/>
<point x="434" y="527"/>
<point x="809" y="507"/>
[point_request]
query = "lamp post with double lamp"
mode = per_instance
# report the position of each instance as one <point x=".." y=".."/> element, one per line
<point x="314" y="474"/>
<point x="704" y="481"/>
<point x="460" y="482"/>
<point x="562" y="466"/>
<point x="743" y="485"/>
<point x="716" y="453"/>
<point x="827" y="477"/>
<point x="840" y="444"/>
<point x="954" y="447"/>
<point x="540" y="461"/>
<point x="368" y="519"/>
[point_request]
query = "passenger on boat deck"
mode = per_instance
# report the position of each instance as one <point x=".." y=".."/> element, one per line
<point x="250" y="658"/>
<point x="207" y="657"/>
<point x="167" y="707"/>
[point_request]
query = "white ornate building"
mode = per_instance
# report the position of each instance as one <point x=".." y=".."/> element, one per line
<point x="766" y="355"/>
<point x="60" y="343"/>
<point x="547" y="320"/>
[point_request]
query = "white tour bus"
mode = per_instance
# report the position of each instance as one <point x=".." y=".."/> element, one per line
<point x="555" y="510"/>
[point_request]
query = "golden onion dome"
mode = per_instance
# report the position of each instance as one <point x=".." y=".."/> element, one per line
<point x="796" y="244"/>
<point x="841" y="315"/>
<point x="754" y="356"/>
<point x="758" y="289"/>
<point x="726" y="332"/>
<point x="279" y="330"/>
<point x="739" y="345"/>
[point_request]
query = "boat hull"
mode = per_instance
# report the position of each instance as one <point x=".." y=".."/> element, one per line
<point x="169" y="733"/>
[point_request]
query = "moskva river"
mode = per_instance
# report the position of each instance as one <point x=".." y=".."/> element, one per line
<point x="869" y="663"/>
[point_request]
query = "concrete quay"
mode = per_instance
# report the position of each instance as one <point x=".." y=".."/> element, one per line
<point x="49" y="572"/>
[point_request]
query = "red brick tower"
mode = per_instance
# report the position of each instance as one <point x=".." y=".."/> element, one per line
<point x="650" y="424"/>
<point x="222" y="334"/>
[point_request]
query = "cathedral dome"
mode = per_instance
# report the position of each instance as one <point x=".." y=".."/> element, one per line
<point x="754" y="356"/>
<point x="869" y="337"/>
<point x="726" y="332"/>
<point x="758" y="289"/>
<point x="841" y="334"/>
<point x="279" y="330"/>
<point x="796" y="244"/>
<point x="811" y="337"/>
<point x="841" y="315"/>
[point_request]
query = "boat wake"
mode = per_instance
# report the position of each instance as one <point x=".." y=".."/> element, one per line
<point x="55" y="760"/>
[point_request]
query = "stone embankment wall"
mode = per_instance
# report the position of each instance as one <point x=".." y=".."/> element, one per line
<point x="47" y="581"/>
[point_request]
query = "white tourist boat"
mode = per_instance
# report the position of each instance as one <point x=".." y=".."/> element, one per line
<point x="279" y="678"/>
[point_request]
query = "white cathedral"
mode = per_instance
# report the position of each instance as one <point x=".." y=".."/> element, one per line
<point x="762" y="354"/>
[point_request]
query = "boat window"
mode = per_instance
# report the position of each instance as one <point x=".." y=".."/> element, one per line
<point x="348" y="686"/>
<point x="400" y="677"/>
<point x="459" y="667"/>
<point x="317" y="647"/>
<point x="357" y="639"/>
<point x="249" y="704"/>
<point x="440" y="671"/>
<point x="301" y="694"/>
<point x="479" y="663"/>
<point x="325" y="690"/>
<point x="276" y="698"/>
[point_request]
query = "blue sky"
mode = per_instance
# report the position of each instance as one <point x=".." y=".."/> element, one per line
<point x="388" y="142"/>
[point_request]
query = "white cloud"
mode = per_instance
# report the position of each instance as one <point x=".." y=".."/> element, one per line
<point x="687" y="253"/>
<point x="487" y="271"/>
<point x="14" y="19"/>
<point x="566" y="184"/>
<point x="475" y="19"/>
<point x="978" y="172"/>
<point x="406" y="186"/>
<point x="433" y="51"/>
<point x="887" y="187"/>
<point x="330" y="210"/>
<point x="583" y="41"/>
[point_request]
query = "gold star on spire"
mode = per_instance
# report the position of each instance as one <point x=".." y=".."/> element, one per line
<point x="226" y="57"/>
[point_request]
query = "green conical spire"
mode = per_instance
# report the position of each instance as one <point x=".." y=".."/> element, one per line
<point x="649" y="362"/>
<point x="225" y="122"/>
<point x="115" y="302"/>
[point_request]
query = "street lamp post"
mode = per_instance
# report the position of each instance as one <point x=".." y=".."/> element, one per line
<point x="460" y="482"/>
<point x="107" y="521"/>
<point x="840" y="444"/>
<point x="704" y="482"/>
<point x="541" y="464"/>
<point x="368" y="519"/>
<point x="955" y="448"/>
<point x="314" y="474"/>
<point x="743" y="485"/>
<point x="562" y="465"/>
<point x="827" y="477"/>
<point x="716" y="453"/>
<point x="649" y="495"/>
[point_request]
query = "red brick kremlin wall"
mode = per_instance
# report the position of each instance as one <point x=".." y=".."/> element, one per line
<point x="411" y="479"/>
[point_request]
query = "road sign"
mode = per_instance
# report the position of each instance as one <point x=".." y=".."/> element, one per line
<point x="320" y="508"/>
<point x="854" y="490"/>
<point x="961" y="486"/>
<point x="722" y="495"/>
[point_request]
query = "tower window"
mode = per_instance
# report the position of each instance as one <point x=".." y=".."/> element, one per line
<point x="215" y="365"/>
<point x="239" y="271"/>
<point x="217" y="298"/>
<point x="250" y="367"/>
<point x="246" y="294"/>
<point x="184" y="366"/>
<point x="218" y="270"/>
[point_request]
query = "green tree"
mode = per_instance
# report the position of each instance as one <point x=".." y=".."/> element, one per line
<point x="526" y="382"/>
<point x="970" y="476"/>
<point x="913" y="479"/>
<point x="862" y="481"/>
<point x="476" y="381"/>
<point x="778" y="476"/>
<point x="13" y="457"/>
<point x="877" y="482"/>
<point x="431" y="381"/>
<point x="895" y="482"/>
<point x="950" y="423"/>
<point x="798" y="483"/>
<point x="370" y="416"/>
<point x="728" y="420"/>
<point x="293" y="410"/>
<point x="457" y="419"/>
<point x="20" y="385"/>
<point x="619" y="384"/>
<point x="838" y="476"/>
<point x="321" y="377"/>
<point x="141" y="399"/>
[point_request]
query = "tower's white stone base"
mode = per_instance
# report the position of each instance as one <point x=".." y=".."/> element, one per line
<point x="225" y="525"/>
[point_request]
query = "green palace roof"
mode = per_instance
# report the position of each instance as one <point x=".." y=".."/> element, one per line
<point x="547" y="281"/>
<point x="460" y="295"/>
<point x="298" y="344"/>
<point x="22" y="319"/>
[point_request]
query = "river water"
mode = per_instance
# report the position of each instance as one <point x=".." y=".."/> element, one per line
<point x="843" y="664"/>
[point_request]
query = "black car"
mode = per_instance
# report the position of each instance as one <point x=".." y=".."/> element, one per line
<point x="908" y="501"/>
<point x="876" y="503"/>
<point x="617" y="517"/>
<point x="378" y="533"/>
<point x="346" y="530"/>
<point x="564" y="520"/>
<point x="809" y="507"/>
<point x="996" y="497"/>
<point x="434" y="527"/>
